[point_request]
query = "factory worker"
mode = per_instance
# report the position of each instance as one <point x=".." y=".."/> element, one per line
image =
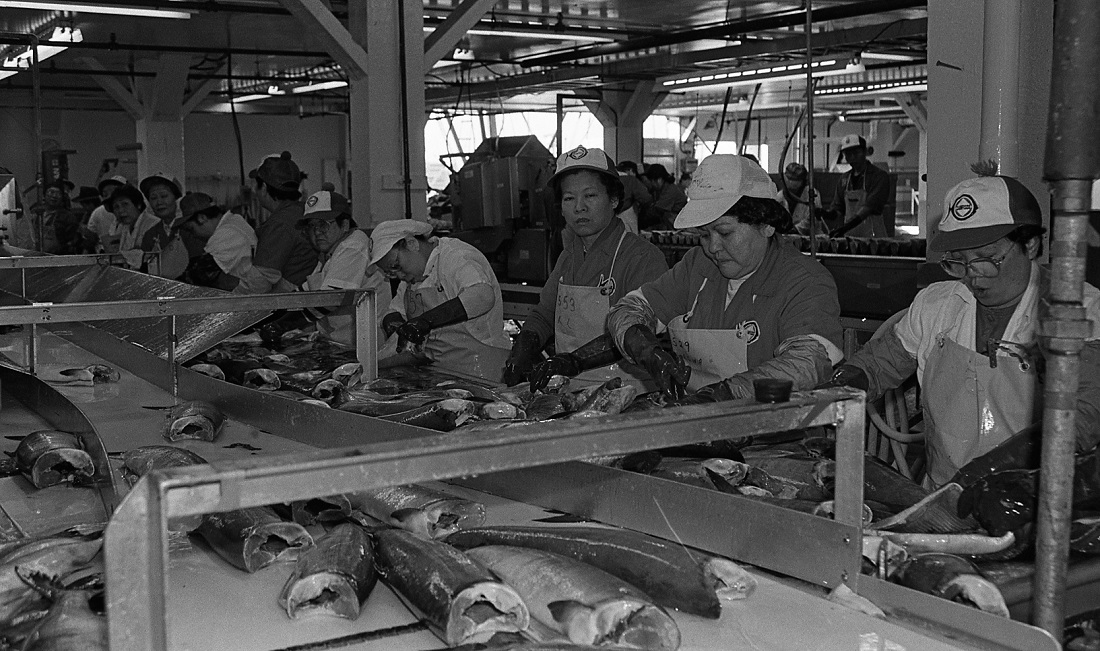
<point x="162" y="195"/>
<point x="128" y="206"/>
<point x="283" y="256"/>
<point x="973" y="341"/>
<point x="60" y="226"/>
<point x="796" y="197"/>
<point x="600" y="263"/>
<point x="635" y="195"/>
<point x="102" y="223"/>
<point x="448" y="308"/>
<point x="668" y="198"/>
<point x="861" y="194"/>
<point x="228" y="243"/>
<point x="742" y="306"/>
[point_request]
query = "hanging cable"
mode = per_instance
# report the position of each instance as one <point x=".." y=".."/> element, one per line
<point x="722" y="122"/>
<point x="233" y="104"/>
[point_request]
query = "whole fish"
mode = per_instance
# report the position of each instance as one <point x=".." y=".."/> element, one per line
<point x="253" y="538"/>
<point x="462" y="599"/>
<point x="953" y="578"/>
<point x="321" y="509"/>
<point x="48" y="458"/>
<point x="194" y="420"/>
<point x="586" y="604"/>
<point x="71" y="623"/>
<point x="374" y="404"/>
<point x="139" y="461"/>
<point x="52" y="558"/>
<point x="261" y="379"/>
<point x="442" y="416"/>
<point x="334" y="577"/>
<point x="607" y="403"/>
<point x="672" y="575"/>
<point x="424" y="511"/>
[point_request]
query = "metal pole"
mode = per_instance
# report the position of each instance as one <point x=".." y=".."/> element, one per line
<point x="36" y="86"/>
<point x="175" y="369"/>
<point x="810" y="125"/>
<point x="561" y="121"/>
<point x="1072" y="162"/>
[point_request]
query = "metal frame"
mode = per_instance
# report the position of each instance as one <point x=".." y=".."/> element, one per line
<point x="136" y="544"/>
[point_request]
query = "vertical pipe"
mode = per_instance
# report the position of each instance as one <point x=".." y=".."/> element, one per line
<point x="1000" y="132"/>
<point x="406" y="180"/>
<point x="810" y="125"/>
<point x="36" y="90"/>
<point x="1072" y="162"/>
<point x="366" y="334"/>
<point x="172" y="366"/>
<point x="561" y="121"/>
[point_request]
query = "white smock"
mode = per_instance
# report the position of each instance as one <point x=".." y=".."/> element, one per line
<point x="232" y="245"/>
<point x="347" y="268"/>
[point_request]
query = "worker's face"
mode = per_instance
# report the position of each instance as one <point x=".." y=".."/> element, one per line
<point x="107" y="191"/>
<point x="794" y="183"/>
<point x="585" y="203"/>
<point x="55" y="198"/>
<point x="200" y="226"/>
<point x="1013" y="272"/>
<point x="125" y="211"/>
<point x="162" y="201"/>
<point x="855" y="156"/>
<point x="324" y="234"/>
<point x="736" y="248"/>
<point x="406" y="264"/>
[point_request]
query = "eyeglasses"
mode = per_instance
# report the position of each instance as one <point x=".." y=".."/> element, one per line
<point x="391" y="270"/>
<point x="978" y="267"/>
<point x="317" y="225"/>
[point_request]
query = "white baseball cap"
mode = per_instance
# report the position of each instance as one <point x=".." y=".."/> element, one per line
<point x="583" y="158"/>
<point x="324" y="205"/>
<point x="980" y="211"/>
<point x="718" y="183"/>
<point x="388" y="233"/>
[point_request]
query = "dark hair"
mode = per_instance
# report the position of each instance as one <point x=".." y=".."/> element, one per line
<point x="627" y="166"/>
<point x="126" y="192"/>
<point x="1025" y="233"/>
<point x="611" y="184"/>
<point x="657" y="171"/>
<point x="761" y="212"/>
<point x="345" y="218"/>
<point x="278" y="194"/>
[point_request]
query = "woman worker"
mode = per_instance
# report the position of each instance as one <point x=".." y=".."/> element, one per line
<point x="601" y="262"/>
<point x="163" y="194"/>
<point x="742" y="306"/>
<point x="448" y="308"/>
<point x="973" y="341"/>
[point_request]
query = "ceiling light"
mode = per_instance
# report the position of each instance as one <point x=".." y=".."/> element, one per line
<point x="725" y="77"/>
<point x="887" y="56"/>
<point x="94" y="8"/>
<point x="46" y="49"/>
<point x="875" y="87"/>
<point x="321" y="85"/>
<point x="536" y="33"/>
<point x="251" y="98"/>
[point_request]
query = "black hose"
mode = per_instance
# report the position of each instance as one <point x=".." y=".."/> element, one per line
<point x="407" y="180"/>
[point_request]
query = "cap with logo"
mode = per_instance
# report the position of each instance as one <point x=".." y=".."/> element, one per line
<point x="850" y="141"/>
<point x="718" y="183"/>
<point x="980" y="211"/>
<point x="198" y="203"/>
<point x="117" y="179"/>
<point x="324" y="205"/>
<point x="160" y="178"/>
<point x="583" y="158"/>
<point x="278" y="171"/>
<point x="388" y="233"/>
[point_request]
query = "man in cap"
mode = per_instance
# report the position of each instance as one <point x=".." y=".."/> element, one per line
<point x="600" y="263"/>
<point x="744" y="305"/>
<point x="861" y="194"/>
<point x="668" y="199"/>
<point x="283" y="255"/>
<point x="102" y="223"/>
<point x="972" y="341"/>
<point x="60" y="226"/>
<point x="796" y="197"/>
<point x="448" y="308"/>
<point x="636" y="195"/>
<point x="229" y="243"/>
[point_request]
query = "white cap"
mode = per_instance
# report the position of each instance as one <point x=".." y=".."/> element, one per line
<point x="851" y="141"/>
<point x="324" y="205"/>
<point x="981" y="211"/>
<point x="388" y="233"/>
<point x="718" y="183"/>
<point x="583" y="158"/>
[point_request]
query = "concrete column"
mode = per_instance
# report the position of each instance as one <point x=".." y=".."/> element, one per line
<point x="161" y="148"/>
<point x="379" y="121"/>
<point x="622" y="111"/>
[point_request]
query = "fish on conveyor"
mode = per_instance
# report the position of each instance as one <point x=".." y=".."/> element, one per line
<point x="304" y="381"/>
<point x="1084" y="534"/>
<point x="52" y="558"/>
<point x="545" y="406"/>
<point x="424" y="511"/>
<point x="462" y="599"/>
<point x="500" y="411"/>
<point x="209" y="370"/>
<point x="349" y="373"/>
<point x="369" y="403"/>
<point x="194" y="420"/>
<point x="48" y="458"/>
<point x="334" y="577"/>
<point x="261" y="379"/>
<point x="139" y="461"/>
<point x="607" y="403"/>
<point x="582" y="602"/>
<point x="333" y="508"/>
<point x="234" y="369"/>
<point x="331" y="392"/>
<point x="694" y="471"/>
<point x="815" y="478"/>
<point x="475" y="391"/>
<point x="442" y="416"/>
<point x="84" y="376"/>
<point x="253" y="538"/>
<point x="384" y="386"/>
<point x="72" y="623"/>
<point x="672" y="575"/>
<point x="884" y="485"/>
<point x="953" y="578"/>
<point x="936" y="513"/>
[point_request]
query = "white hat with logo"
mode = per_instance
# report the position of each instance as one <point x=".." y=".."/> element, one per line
<point x="718" y="183"/>
<point x="388" y="233"/>
<point x="980" y="211"/>
<point x="583" y="158"/>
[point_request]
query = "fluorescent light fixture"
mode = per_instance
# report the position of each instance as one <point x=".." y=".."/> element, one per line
<point x="887" y="56"/>
<point x="535" y="33"/>
<point x="94" y="8"/>
<point x="251" y="98"/>
<point x="875" y="87"/>
<point x="46" y="49"/>
<point x="321" y="85"/>
<point x="725" y="77"/>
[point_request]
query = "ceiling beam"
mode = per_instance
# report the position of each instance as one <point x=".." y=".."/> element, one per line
<point x="443" y="39"/>
<point x="199" y="94"/>
<point x="319" y="21"/>
<point x="114" y="88"/>
<point x="914" y="109"/>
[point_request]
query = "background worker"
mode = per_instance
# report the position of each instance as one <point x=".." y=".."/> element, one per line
<point x="973" y="341"/>
<point x="162" y="196"/>
<point x="635" y="195"/>
<point x="228" y="243"/>
<point x="861" y="194"/>
<point x="600" y="263"/>
<point x="127" y="204"/>
<point x="447" y="309"/>
<point x="742" y="306"/>
<point x="102" y="223"/>
<point x="796" y="198"/>
<point x="668" y="199"/>
<point x="60" y="225"/>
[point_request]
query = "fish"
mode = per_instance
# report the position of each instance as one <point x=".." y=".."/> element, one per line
<point x="210" y="370"/>
<point x="321" y="509"/>
<point x="884" y="485"/>
<point x="76" y="620"/>
<point x="85" y="376"/>
<point x="586" y="604"/>
<point x="936" y="513"/>
<point x="304" y="381"/>
<point x="461" y="599"/>
<point x="1084" y="534"/>
<point x="607" y="403"/>
<point x="47" y="458"/>
<point x="442" y="416"/>
<point x="424" y="511"/>
<point x="261" y="379"/>
<point x="234" y="369"/>
<point x="953" y="578"/>
<point x="475" y="391"/>
<point x="545" y="406"/>
<point x="253" y="538"/>
<point x="674" y="576"/>
<point x="384" y="386"/>
<point x="373" y="404"/>
<point x="52" y="558"/>
<point x="694" y="471"/>
<point x="334" y="577"/>
<point x="196" y="419"/>
<point x="331" y="392"/>
<point x="102" y="373"/>
<point x="349" y="373"/>
<point x="139" y="461"/>
<point x="500" y="411"/>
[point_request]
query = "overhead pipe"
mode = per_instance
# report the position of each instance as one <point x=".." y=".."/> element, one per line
<point x="1072" y="163"/>
<point x="724" y="30"/>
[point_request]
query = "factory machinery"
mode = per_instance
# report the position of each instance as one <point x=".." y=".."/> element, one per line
<point x="78" y="311"/>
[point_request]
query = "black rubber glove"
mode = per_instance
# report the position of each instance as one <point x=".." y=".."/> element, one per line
<point x="413" y="332"/>
<point x="416" y="331"/>
<point x="668" y="371"/>
<point x="271" y="334"/>
<point x="526" y="352"/>
<point x="847" y="375"/>
<point x="601" y="351"/>
<point x="560" y="364"/>
<point x="203" y="271"/>
<point x="391" y="322"/>
<point x="717" y="392"/>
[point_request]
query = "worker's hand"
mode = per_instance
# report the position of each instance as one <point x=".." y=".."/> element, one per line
<point x="847" y="375"/>
<point x="413" y="332"/>
<point x="391" y="322"/>
<point x="668" y="371"/>
<point x="717" y="392"/>
<point x="203" y="270"/>
<point x="526" y="352"/>
<point x="561" y="364"/>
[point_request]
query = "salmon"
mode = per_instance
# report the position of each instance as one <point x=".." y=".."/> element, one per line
<point x="331" y="392"/>
<point x="139" y="461"/>
<point x="334" y="577"/>
<point x="460" y="598"/>
<point x="253" y="538"/>
<point x="442" y="416"/>
<point x="320" y="509"/>
<point x="71" y="623"/>
<point x="953" y="578"/>
<point x="261" y="379"/>
<point x="48" y="458"/>
<point x="672" y="575"/>
<point x="209" y="370"/>
<point x="52" y="558"/>
<point x="194" y="420"/>
<point x="426" y="512"/>
<point x="586" y="604"/>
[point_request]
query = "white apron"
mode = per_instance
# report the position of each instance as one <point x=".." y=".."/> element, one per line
<point x="873" y="226"/>
<point x="581" y="315"/>
<point x="971" y="407"/>
<point x="713" y="355"/>
<point x="452" y="347"/>
<point x="630" y="219"/>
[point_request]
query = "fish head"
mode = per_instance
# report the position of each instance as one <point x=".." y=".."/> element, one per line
<point x="261" y="379"/>
<point x="191" y="427"/>
<point x="323" y="593"/>
<point x="484" y="609"/>
<point x="731" y="581"/>
<point x="977" y="591"/>
<point x="62" y="466"/>
<point x="330" y="391"/>
<point x="628" y="622"/>
<point x="349" y="374"/>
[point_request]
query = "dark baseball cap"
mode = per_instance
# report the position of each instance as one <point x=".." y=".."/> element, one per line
<point x="278" y="171"/>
